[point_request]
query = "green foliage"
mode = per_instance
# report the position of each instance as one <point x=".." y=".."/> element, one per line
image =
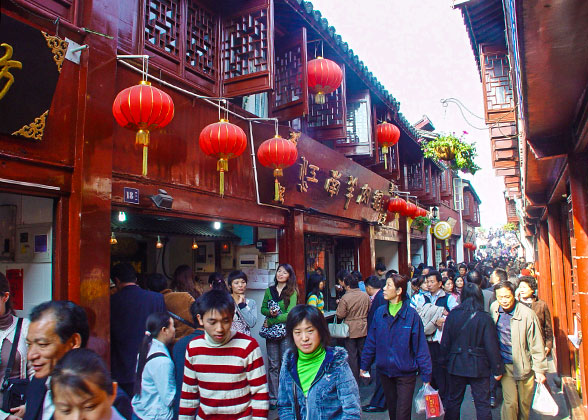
<point x="421" y="223"/>
<point x="510" y="227"/>
<point x="459" y="154"/>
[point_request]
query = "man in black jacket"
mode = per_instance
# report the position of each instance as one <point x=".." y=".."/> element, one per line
<point x="56" y="327"/>
<point x="470" y="349"/>
<point x="129" y="309"/>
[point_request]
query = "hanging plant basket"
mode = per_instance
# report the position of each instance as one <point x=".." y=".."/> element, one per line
<point x="421" y="223"/>
<point x="455" y="151"/>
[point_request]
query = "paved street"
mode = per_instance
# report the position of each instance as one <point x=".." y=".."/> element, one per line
<point x="468" y="411"/>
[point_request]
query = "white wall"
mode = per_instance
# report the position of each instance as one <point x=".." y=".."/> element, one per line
<point x="37" y="277"/>
<point x="387" y="252"/>
<point x="417" y="252"/>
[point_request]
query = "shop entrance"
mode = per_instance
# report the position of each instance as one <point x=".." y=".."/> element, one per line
<point x="26" y="249"/>
<point x="331" y="254"/>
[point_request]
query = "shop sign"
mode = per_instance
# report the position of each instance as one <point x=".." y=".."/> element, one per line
<point x="30" y="64"/>
<point x="442" y="230"/>
<point x="326" y="181"/>
<point x="131" y="195"/>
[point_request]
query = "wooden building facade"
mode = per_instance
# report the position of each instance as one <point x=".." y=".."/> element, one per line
<point x="535" y="91"/>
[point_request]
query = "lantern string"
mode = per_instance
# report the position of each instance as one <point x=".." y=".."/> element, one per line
<point x="212" y="100"/>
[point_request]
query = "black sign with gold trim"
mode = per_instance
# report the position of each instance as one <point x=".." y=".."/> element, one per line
<point x="30" y="63"/>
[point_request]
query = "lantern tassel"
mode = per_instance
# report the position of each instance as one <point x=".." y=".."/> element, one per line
<point x="222" y="165"/>
<point x="142" y="138"/>
<point x="276" y="190"/>
<point x="385" y="152"/>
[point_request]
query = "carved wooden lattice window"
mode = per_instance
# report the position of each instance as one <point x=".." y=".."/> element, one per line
<point x="290" y="96"/>
<point x="162" y="25"/>
<point x="434" y="189"/>
<point x="497" y="82"/>
<point x="247" y="49"/>
<point x="201" y="32"/>
<point x="414" y="176"/>
<point x="466" y="204"/>
<point x="427" y="179"/>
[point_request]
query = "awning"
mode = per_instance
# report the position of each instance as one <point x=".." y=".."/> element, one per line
<point x="140" y="223"/>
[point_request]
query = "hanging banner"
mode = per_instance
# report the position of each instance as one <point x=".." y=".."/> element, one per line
<point x="30" y="63"/>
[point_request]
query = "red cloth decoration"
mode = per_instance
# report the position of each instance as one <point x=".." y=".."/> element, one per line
<point x="277" y="153"/>
<point x="223" y="141"/>
<point x="387" y="135"/>
<point x="143" y="108"/>
<point x="324" y="77"/>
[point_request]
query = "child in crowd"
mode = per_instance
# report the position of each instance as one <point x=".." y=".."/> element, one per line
<point x="224" y="375"/>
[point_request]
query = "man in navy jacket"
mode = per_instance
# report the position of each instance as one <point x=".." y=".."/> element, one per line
<point x="129" y="309"/>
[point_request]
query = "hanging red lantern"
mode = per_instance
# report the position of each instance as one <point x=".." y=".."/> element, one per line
<point x="397" y="205"/>
<point x="474" y="247"/>
<point x="387" y="135"/>
<point x="143" y="108"/>
<point x="223" y="141"/>
<point x="277" y="153"/>
<point x="324" y="77"/>
<point x="411" y="210"/>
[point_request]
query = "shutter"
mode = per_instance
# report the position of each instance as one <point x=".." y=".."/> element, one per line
<point x="247" y="49"/>
<point x="359" y="130"/>
<point x="289" y="99"/>
<point x="328" y="121"/>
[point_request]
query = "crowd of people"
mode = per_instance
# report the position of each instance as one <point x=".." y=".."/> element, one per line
<point x="178" y="353"/>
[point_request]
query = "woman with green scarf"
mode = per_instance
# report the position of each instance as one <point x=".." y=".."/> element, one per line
<point x="315" y="381"/>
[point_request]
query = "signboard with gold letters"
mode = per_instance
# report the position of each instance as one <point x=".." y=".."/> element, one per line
<point x="326" y="181"/>
<point x="30" y="63"/>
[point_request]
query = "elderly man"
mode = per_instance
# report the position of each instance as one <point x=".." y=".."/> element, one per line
<point x="56" y="327"/>
<point x="521" y="349"/>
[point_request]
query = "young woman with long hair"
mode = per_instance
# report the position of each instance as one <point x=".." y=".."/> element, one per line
<point x="316" y="381"/>
<point x="278" y="301"/>
<point x="184" y="281"/>
<point x="155" y="383"/>
<point x="245" y="309"/>
<point x="82" y="388"/>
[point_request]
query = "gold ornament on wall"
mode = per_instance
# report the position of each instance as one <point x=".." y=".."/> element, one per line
<point x="58" y="48"/>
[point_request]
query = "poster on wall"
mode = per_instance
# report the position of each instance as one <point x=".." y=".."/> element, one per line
<point x="15" y="278"/>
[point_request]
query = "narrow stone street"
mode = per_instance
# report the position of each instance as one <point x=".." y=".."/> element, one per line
<point x="468" y="411"/>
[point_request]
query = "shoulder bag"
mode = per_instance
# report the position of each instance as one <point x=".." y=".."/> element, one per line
<point x="338" y="330"/>
<point x="14" y="389"/>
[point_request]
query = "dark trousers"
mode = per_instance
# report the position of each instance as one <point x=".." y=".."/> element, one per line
<point x="354" y="347"/>
<point x="439" y="381"/>
<point x="378" y="399"/>
<point x="480" y="392"/>
<point x="399" y="392"/>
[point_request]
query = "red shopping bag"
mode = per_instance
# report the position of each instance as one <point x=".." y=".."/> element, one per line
<point x="433" y="404"/>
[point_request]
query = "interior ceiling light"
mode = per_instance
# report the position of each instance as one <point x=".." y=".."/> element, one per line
<point x="122" y="216"/>
<point x="194" y="244"/>
<point x="113" y="240"/>
<point x="158" y="244"/>
<point x="217" y="225"/>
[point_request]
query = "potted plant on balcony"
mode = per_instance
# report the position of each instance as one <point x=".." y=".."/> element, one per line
<point x="459" y="154"/>
<point x="421" y="223"/>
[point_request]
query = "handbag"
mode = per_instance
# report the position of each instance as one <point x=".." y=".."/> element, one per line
<point x="338" y="330"/>
<point x="14" y="390"/>
<point x="277" y="331"/>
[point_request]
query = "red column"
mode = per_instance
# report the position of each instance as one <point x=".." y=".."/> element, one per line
<point x="403" y="250"/>
<point x="578" y="174"/>
<point x="292" y="249"/>
<point x="367" y="252"/>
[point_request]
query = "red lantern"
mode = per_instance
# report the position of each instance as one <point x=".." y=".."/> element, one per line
<point x="387" y="136"/>
<point x="277" y="153"/>
<point x="397" y="205"/>
<point x="474" y="247"/>
<point x="324" y="77"/>
<point x="223" y="141"/>
<point x="411" y="210"/>
<point x="144" y="108"/>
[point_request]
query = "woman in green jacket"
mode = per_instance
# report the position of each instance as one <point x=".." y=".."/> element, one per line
<point x="278" y="300"/>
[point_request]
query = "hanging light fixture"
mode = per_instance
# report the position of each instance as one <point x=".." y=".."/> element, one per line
<point x="277" y="153"/>
<point x="324" y="77"/>
<point x="122" y="216"/>
<point x="158" y="244"/>
<point x="387" y="135"/>
<point x="194" y="244"/>
<point x="113" y="240"/>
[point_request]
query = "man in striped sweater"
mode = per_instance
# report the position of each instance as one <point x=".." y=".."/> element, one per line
<point x="224" y="375"/>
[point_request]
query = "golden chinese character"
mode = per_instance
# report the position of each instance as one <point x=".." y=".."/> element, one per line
<point x="392" y="188"/>
<point x="382" y="218"/>
<point x="364" y="195"/>
<point x="351" y="184"/>
<point x="377" y="200"/>
<point x="333" y="184"/>
<point x="305" y="167"/>
<point x="5" y="65"/>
